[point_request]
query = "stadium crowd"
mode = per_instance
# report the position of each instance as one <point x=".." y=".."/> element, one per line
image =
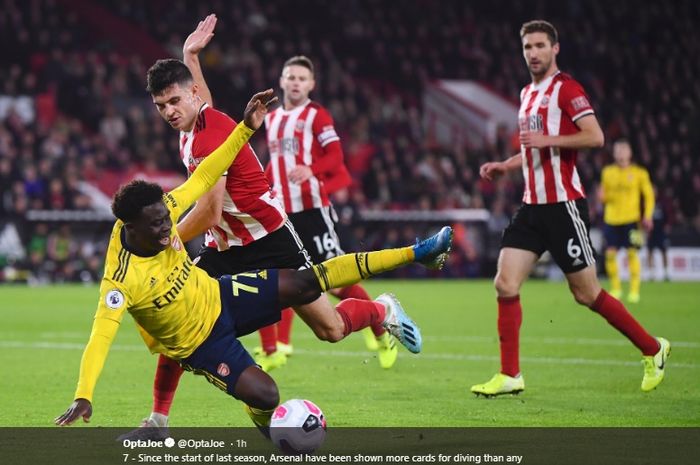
<point x="73" y="109"/>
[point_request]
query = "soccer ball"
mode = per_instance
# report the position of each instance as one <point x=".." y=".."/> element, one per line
<point x="298" y="427"/>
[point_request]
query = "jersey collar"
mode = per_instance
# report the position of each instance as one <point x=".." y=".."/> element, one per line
<point x="545" y="84"/>
<point x="300" y="108"/>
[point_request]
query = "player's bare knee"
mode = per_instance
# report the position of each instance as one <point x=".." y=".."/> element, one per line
<point x="506" y="287"/>
<point x="335" y="335"/>
<point x="329" y="332"/>
<point x="583" y="296"/>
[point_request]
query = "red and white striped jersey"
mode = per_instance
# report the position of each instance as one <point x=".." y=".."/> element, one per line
<point x="250" y="210"/>
<point x="304" y="135"/>
<point x="552" y="107"/>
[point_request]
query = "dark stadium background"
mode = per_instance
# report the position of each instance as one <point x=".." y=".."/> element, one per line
<point x="73" y="109"/>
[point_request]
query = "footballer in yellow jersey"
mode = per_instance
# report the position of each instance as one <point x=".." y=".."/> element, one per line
<point x="623" y="185"/>
<point x="185" y="314"/>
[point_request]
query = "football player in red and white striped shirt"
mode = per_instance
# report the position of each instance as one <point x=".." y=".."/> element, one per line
<point x="556" y="120"/>
<point x="306" y="166"/>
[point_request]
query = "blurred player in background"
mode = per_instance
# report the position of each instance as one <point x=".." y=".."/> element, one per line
<point x="195" y="319"/>
<point x="658" y="239"/>
<point x="622" y="185"/>
<point x="306" y="166"/>
<point x="556" y="120"/>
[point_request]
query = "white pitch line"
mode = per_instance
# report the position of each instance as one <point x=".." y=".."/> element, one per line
<point x="82" y="336"/>
<point x="361" y="354"/>
<point x="547" y="340"/>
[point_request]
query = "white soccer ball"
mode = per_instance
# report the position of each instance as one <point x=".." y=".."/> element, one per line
<point x="298" y="427"/>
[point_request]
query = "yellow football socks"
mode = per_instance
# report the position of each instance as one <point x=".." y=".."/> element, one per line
<point x="611" y="270"/>
<point x="352" y="268"/>
<point x="260" y="417"/>
<point x="635" y="270"/>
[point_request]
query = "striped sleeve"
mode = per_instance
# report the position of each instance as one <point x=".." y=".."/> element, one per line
<point x="573" y="100"/>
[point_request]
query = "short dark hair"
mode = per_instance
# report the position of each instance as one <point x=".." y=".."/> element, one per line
<point x="300" y="60"/>
<point x="132" y="198"/>
<point x="165" y="73"/>
<point x="540" y="25"/>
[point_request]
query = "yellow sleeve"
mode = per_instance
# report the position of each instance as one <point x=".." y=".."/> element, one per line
<point x="647" y="193"/>
<point x="208" y="172"/>
<point x="110" y="311"/>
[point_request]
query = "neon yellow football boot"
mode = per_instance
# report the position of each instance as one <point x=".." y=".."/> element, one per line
<point x="617" y="293"/>
<point x="370" y="341"/>
<point x="654" y="366"/>
<point x="286" y="349"/>
<point x="270" y="362"/>
<point x="387" y="351"/>
<point x="500" y="384"/>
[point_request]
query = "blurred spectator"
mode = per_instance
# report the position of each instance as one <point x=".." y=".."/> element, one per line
<point x="60" y="249"/>
<point x="92" y="117"/>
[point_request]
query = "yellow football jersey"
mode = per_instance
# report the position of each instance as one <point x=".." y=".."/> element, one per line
<point x="174" y="303"/>
<point x="622" y="189"/>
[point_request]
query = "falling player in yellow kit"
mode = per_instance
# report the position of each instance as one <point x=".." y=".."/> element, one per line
<point x="623" y="184"/>
<point x="183" y="313"/>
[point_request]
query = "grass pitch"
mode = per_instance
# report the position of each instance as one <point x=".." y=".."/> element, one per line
<point x="578" y="370"/>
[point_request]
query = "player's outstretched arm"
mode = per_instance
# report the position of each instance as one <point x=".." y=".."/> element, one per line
<point x="194" y="44"/>
<point x="79" y="408"/>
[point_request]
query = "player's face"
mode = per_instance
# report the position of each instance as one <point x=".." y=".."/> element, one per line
<point x="296" y="83"/>
<point x="150" y="232"/>
<point x="539" y="53"/>
<point x="622" y="153"/>
<point x="178" y="106"/>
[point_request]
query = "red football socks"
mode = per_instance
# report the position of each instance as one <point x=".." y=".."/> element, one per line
<point x="268" y="338"/>
<point x="358" y="314"/>
<point x="510" y="317"/>
<point x="617" y="315"/>
<point x="358" y="292"/>
<point x="284" y="327"/>
<point x="164" y="386"/>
